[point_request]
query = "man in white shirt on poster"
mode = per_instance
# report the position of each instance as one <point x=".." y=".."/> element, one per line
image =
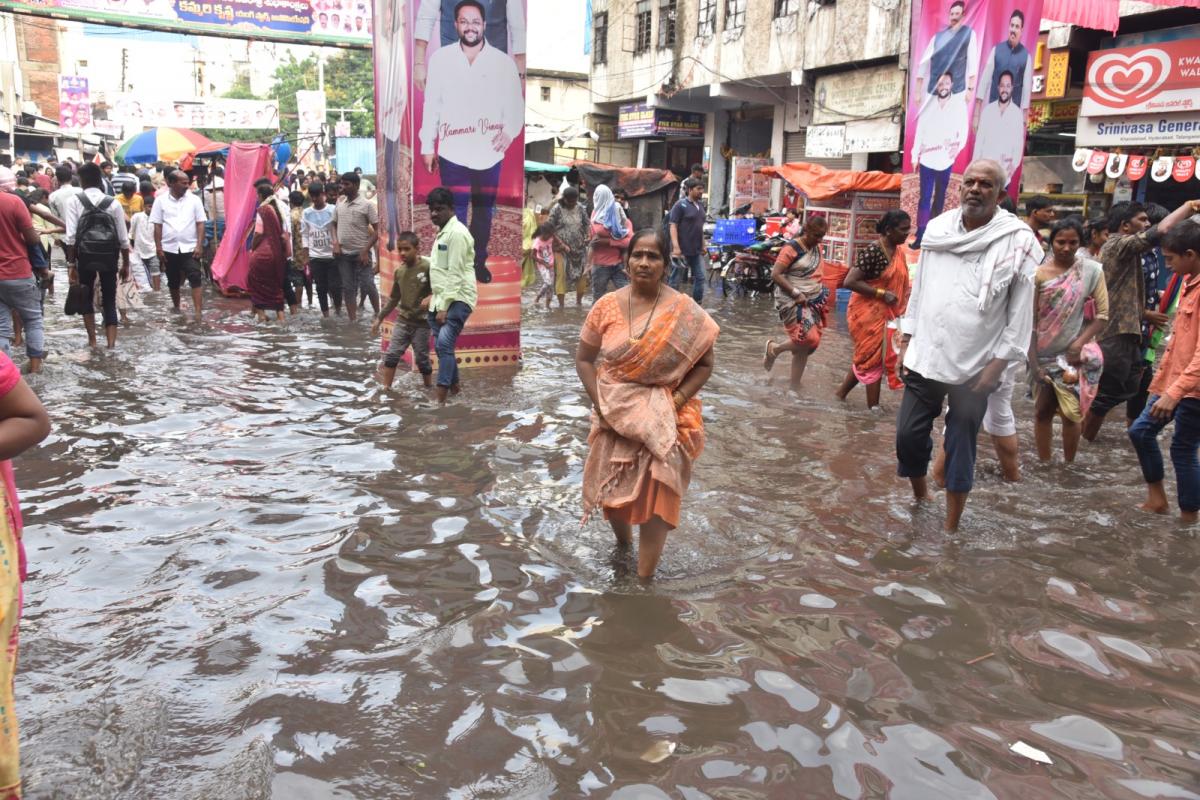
<point x="474" y="110"/>
<point x="1001" y="132"/>
<point x="940" y="137"/>
<point x="969" y="317"/>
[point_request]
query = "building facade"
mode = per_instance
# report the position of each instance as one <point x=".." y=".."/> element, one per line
<point x="731" y="83"/>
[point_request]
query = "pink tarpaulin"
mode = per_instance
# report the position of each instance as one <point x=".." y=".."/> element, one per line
<point x="1101" y="15"/>
<point x="246" y="164"/>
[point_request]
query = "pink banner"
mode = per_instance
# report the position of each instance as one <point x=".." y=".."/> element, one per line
<point x="246" y="164"/>
<point x="450" y="111"/>
<point x="970" y="81"/>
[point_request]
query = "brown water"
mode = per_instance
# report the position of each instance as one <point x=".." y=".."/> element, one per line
<point x="254" y="576"/>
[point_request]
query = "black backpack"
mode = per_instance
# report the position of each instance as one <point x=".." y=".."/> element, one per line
<point x="96" y="239"/>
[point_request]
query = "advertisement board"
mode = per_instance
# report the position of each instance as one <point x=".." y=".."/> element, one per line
<point x="450" y="112"/>
<point x="969" y="96"/>
<point x="316" y="22"/>
<point x="135" y="111"/>
<point x="640" y="121"/>
<point x="859" y="94"/>
<point x="74" y="103"/>
<point x="1162" y="78"/>
<point x="1142" y="129"/>
<point x="825" y="141"/>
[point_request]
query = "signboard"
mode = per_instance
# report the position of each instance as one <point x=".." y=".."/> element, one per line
<point x="640" y="121"/>
<point x="749" y="185"/>
<point x="873" y="136"/>
<point x="1157" y="79"/>
<point x="825" y="141"/>
<point x="858" y="95"/>
<point x="1142" y="129"/>
<point x="434" y="129"/>
<point x="74" y="103"/>
<point x="315" y="22"/>
<point x="310" y="106"/>
<point x="970" y="90"/>
<point x="137" y="111"/>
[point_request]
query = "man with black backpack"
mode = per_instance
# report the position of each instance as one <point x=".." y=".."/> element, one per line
<point x="95" y="239"/>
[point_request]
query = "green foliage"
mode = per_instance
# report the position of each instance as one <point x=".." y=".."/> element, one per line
<point x="349" y="83"/>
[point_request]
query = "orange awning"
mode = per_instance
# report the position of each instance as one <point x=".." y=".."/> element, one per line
<point x="821" y="183"/>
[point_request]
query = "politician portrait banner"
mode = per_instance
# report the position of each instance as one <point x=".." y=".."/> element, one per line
<point x="450" y="111"/>
<point x="970" y="81"/>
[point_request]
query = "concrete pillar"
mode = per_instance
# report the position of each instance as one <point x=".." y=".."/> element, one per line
<point x="858" y="161"/>
<point x="641" y="154"/>
<point x="715" y="125"/>
<point x="777" y="153"/>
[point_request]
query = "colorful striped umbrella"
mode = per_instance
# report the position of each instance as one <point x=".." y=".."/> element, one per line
<point x="164" y="144"/>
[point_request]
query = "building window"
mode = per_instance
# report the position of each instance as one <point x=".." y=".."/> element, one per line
<point x="707" y="24"/>
<point x="785" y="8"/>
<point x="641" y="40"/>
<point x="735" y="14"/>
<point x="666" y="23"/>
<point x="600" y="38"/>
<point x="545" y="94"/>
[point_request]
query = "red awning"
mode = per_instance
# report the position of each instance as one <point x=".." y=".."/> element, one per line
<point x="1101" y="15"/>
<point x="821" y="183"/>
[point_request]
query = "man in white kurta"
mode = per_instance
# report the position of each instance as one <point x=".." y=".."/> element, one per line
<point x="474" y="110"/>
<point x="941" y="134"/>
<point x="1001" y="134"/>
<point x="970" y="315"/>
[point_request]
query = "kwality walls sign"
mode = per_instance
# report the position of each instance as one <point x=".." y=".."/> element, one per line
<point x="640" y="121"/>
<point x="1143" y="95"/>
<point x="1162" y="78"/>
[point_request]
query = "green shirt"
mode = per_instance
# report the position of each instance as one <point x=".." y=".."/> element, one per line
<point x="410" y="285"/>
<point x="452" y="267"/>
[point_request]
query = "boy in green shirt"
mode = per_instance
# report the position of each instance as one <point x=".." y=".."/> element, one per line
<point x="410" y="295"/>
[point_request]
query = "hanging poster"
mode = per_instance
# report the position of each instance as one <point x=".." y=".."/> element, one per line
<point x="316" y="22"/>
<point x="450" y="111"/>
<point x="74" y="103"/>
<point x="971" y="78"/>
<point x="1184" y="168"/>
<point x="136" y="111"/>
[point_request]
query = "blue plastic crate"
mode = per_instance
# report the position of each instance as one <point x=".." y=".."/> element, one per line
<point x="735" y="231"/>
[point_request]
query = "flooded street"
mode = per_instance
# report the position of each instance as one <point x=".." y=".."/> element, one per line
<point x="252" y="575"/>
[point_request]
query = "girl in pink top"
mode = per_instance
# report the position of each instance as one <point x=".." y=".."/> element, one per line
<point x="543" y="259"/>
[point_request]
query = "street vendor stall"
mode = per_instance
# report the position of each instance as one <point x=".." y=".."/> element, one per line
<point x="650" y="191"/>
<point x="852" y="202"/>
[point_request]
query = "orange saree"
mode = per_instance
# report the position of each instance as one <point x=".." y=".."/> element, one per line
<point x="641" y="450"/>
<point x="868" y="318"/>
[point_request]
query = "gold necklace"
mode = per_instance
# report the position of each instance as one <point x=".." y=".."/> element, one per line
<point x="635" y="339"/>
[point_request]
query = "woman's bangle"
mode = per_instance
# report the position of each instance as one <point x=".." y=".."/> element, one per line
<point x="880" y="294"/>
<point x="679" y="400"/>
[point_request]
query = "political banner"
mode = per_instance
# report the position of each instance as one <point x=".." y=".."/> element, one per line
<point x="316" y="22"/>
<point x="136" y="111"/>
<point x="970" y="87"/>
<point x="74" y="103"/>
<point x="450" y="112"/>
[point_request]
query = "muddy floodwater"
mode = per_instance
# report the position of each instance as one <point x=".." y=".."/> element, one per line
<point x="252" y="575"/>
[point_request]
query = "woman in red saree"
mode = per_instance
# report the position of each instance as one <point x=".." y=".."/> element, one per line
<point x="644" y="353"/>
<point x="879" y="280"/>
<point x="268" y="259"/>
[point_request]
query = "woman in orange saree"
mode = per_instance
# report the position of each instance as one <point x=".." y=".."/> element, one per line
<point x="645" y="351"/>
<point x="879" y="280"/>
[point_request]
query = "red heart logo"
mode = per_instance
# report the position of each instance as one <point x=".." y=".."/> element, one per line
<point x="1120" y="81"/>
<point x="1185" y="167"/>
<point x="1097" y="163"/>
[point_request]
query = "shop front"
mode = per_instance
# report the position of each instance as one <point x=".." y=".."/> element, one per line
<point x="1139" y="121"/>
<point x="667" y="138"/>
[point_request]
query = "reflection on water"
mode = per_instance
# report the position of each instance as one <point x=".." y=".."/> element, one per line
<point x="255" y="576"/>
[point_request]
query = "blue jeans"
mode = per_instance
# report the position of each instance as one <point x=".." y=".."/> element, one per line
<point x="445" y="335"/>
<point x="695" y="265"/>
<point x="933" y="196"/>
<point x="23" y="296"/>
<point x="475" y="188"/>
<point x="601" y="277"/>
<point x="1144" y="435"/>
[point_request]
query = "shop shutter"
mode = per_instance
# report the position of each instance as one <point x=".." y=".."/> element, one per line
<point x="793" y="150"/>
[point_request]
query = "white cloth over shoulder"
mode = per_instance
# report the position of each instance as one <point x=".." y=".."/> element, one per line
<point x="972" y="297"/>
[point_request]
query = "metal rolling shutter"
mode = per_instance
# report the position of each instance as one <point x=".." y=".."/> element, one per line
<point x="793" y="150"/>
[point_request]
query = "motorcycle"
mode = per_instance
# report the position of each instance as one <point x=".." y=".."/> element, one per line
<point x="749" y="269"/>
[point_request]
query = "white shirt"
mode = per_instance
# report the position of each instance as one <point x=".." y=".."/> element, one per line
<point x="142" y="234"/>
<point x="393" y="67"/>
<point x="467" y="104"/>
<point x="1001" y="135"/>
<point x="58" y="201"/>
<point x="941" y="132"/>
<point x="178" y="218"/>
<point x="952" y="340"/>
<point x="74" y="209"/>
<point x="430" y="10"/>
<point x="316" y="231"/>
